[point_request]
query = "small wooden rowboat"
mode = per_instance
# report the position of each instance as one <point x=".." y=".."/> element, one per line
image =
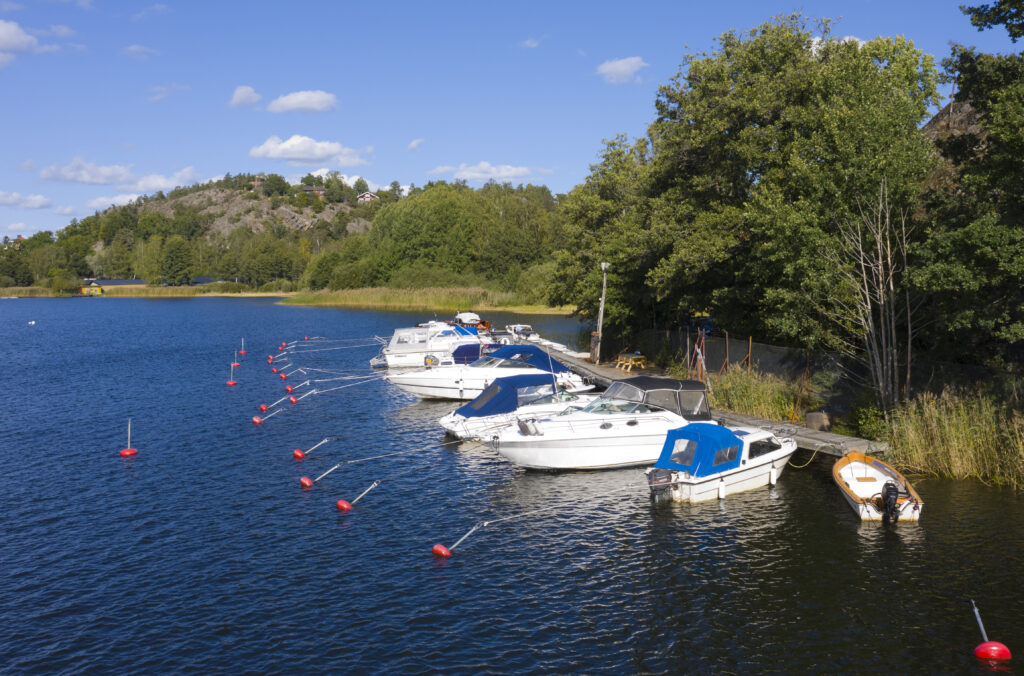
<point x="876" y="491"/>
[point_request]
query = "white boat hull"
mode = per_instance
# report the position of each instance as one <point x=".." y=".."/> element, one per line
<point x="465" y="383"/>
<point x="585" y="444"/>
<point x="861" y="480"/>
<point x="461" y="427"/>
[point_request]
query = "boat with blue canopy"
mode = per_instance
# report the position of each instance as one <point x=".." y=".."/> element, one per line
<point x="467" y="382"/>
<point x="505" y="400"/>
<point x="701" y="461"/>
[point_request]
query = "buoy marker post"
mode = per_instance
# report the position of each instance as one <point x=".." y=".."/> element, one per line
<point x="128" y="451"/>
<point x="306" y="482"/>
<point x="444" y="552"/>
<point x="235" y="362"/>
<point x="989" y="650"/>
<point x="345" y="505"/>
<point x="256" y="420"/>
<point x="242" y="351"/>
<point x="231" y="379"/>
<point x="299" y="454"/>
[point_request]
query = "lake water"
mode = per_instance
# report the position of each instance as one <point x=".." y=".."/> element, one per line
<point x="203" y="553"/>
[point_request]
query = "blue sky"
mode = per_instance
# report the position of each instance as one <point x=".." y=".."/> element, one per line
<point x="101" y="101"/>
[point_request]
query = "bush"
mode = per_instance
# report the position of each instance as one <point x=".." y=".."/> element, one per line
<point x="278" y="286"/>
<point x="423" y="276"/>
<point x="6" y="281"/>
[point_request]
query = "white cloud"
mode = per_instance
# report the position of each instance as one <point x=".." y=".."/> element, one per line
<point x="161" y="92"/>
<point x="317" y="101"/>
<point x="415" y="144"/>
<point x="27" y="165"/>
<point x="244" y="96"/>
<point x="150" y="11"/>
<point x="14" y="40"/>
<point x="531" y="43"/>
<point x="621" y="71"/>
<point x="155" y="182"/>
<point x="80" y="171"/>
<point x="19" y="201"/>
<point x="484" y="171"/>
<point x="61" y="31"/>
<point x="304" y="150"/>
<point x="64" y="211"/>
<point x="17" y="227"/>
<point x="442" y="169"/>
<point x="139" y="52"/>
<point x="116" y="200"/>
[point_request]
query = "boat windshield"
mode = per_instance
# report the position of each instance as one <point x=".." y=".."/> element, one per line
<point x="534" y="393"/>
<point x="605" y="406"/>
<point x="498" y="362"/>
<point x="561" y="396"/>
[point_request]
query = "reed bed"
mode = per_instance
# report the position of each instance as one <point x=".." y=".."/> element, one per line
<point x="754" y="393"/>
<point x="26" y="291"/>
<point x="959" y="435"/>
<point x="430" y="299"/>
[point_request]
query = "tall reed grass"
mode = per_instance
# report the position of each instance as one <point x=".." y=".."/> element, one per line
<point x="26" y="291"/>
<point x="430" y="299"/>
<point x="960" y="435"/>
<point x="754" y="393"/>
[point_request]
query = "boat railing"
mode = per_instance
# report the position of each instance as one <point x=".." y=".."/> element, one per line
<point x="610" y="422"/>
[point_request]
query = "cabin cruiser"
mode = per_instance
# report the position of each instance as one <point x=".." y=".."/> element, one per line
<point x="507" y="399"/>
<point x="431" y="343"/>
<point x="625" y="426"/>
<point x="702" y="462"/>
<point x="467" y="382"/>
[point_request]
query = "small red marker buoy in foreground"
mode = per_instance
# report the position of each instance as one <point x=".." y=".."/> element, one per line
<point x="256" y="420"/>
<point x="306" y="482"/>
<point x="284" y="376"/>
<point x="263" y="408"/>
<point x="129" y="451"/>
<point x="989" y="650"/>
<point x="289" y="389"/>
<point x="298" y="454"/>
<point x="441" y="551"/>
<point x="273" y="370"/>
<point x="235" y="362"/>
<point x="306" y="338"/>
<point x="293" y="399"/>
<point x="231" y="379"/>
<point x="344" y="505"/>
<point x="242" y="351"/>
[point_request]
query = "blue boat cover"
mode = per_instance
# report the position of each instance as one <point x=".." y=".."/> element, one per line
<point x="702" y="449"/>
<point x="532" y="355"/>
<point x="507" y="394"/>
<point x="465" y="330"/>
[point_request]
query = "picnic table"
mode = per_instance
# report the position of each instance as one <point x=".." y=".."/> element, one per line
<point x="627" y="360"/>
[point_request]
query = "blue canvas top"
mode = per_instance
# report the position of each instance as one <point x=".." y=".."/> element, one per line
<point x="696" y="447"/>
<point x="532" y="355"/>
<point x="507" y="394"/>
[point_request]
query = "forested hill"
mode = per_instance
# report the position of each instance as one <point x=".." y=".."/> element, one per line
<point x="266" y="234"/>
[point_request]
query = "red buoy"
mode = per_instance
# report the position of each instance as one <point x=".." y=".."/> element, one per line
<point x="280" y="347"/>
<point x="231" y="383"/>
<point x="441" y="551"/>
<point x="990" y="650"/>
<point x="128" y="452"/>
<point x="293" y="399"/>
<point x="241" y="352"/>
<point x="298" y="454"/>
<point x="306" y="338"/>
<point x="306" y="482"/>
<point x="256" y="420"/>
<point x="344" y="506"/>
<point x="289" y="389"/>
<point x="270" y="359"/>
<point x="284" y="344"/>
<point x="273" y="370"/>
<point x="235" y="363"/>
<point x="263" y="408"/>
<point x="284" y="376"/>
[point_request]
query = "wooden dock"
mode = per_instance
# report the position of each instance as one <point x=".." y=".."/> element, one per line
<point x="806" y="439"/>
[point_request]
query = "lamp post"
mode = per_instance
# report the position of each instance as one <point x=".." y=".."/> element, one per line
<point x="600" y="312"/>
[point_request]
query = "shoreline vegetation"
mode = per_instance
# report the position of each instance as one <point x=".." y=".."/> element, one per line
<point x="439" y="299"/>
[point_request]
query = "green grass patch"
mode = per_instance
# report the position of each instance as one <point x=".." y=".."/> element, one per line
<point x="427" y="300"/>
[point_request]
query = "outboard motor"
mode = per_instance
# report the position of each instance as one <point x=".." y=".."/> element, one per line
<point x="660" y="481"/>
<point x="890" y="502"/>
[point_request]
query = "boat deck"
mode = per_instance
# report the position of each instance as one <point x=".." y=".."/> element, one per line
<point x="836" y="445"/>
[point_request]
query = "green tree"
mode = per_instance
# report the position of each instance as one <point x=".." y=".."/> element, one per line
<point x="274" y="184"/>
<point x="176" y="265"/>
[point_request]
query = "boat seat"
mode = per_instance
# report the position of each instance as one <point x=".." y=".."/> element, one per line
<point x="866" y="478"/>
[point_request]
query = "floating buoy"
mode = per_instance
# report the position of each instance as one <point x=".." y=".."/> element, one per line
<point x="284" y="376"/>
<point x="306" y="482"/>
<point x="256" y="420"/>
<point x="992" y="650"/>
<point x="280" y="347"/>
<point x="129" y="451"/>
<point x="441" y="551"/>
<point x="263" y="408"/>
<point x="273" y="370"/>
<point x="231" y="379"/>
<point x="289" y="389"/>
<point x="270" y="359"/>
<point x="989" y="650"/>
<point x="298" y="454"/>
<point x="306" y="338"/>
<point x="343" y="505"/>
<point x="293" y="399"/>
<point x="242" y="351"/>
<point x="235" y="362"/>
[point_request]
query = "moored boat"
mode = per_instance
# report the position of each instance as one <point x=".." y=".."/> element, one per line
<point x="702" y="462"/>
<point x="875" y="490"/>
<point x="623" y="427"/>
<point x="507" y="399"/>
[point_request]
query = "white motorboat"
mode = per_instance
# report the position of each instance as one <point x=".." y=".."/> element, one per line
<point x="508" y="399"/>
<point x="625" y="426"/>
<point x="875" y="490"/>
<point x="702" y="462"/>
<point x="467" y="382"/>
<point x="431" y="343"/>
